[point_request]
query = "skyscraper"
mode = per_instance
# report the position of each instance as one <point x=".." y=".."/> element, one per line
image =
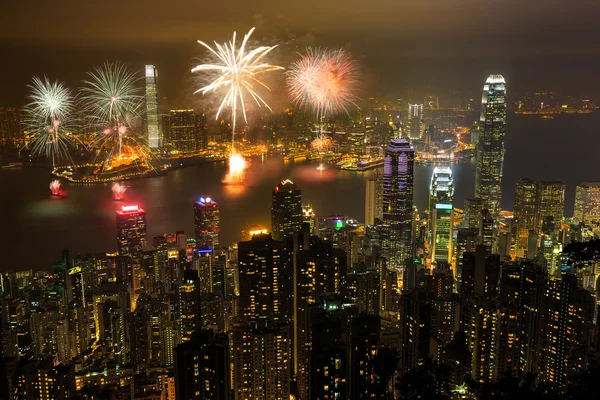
<point x="398" y="183"/>
<point x="441" y="198"/>
<point x="154" y="134"/>
<point x="587" y="203"/>
<point x="183" y="130"/>
<point x="131" y="230"/>
<point x="286" y="210"/>
<point x="550" y="203"/>
<point x="265" y="279"/>
<point x="490" y="148"/>
<point x="206" y="222"/>
<point x="373" y="200"/>
<point x="525" y="206"/>
<point x="415" y="120"/>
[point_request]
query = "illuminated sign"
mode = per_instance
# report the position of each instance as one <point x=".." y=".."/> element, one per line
<point x="443" y="206"/>
<point x="206" y="200"/>
<point x="339" y="224"/>
<point x="130" y="208"/>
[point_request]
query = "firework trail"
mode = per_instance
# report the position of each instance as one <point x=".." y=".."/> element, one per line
<point x="48" y="119"/>
<point x="113" y="103"/>
<point x="237" y="78"/>
<point x="55" y="188"/>
<point x="118" y="190"/>
<point x="324" y="80"/>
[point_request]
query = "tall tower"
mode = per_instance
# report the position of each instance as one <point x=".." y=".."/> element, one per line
<point x="265" y="279"/>
<point x="154" y="134"/>
<point x="415" y="120"/>
<point x="525" y="199"/>
<point x="398" y="183"/>
<point x="373" y="200"/>
<point x="490" y="149"/>
<point x="286" y="210"/>
<point x="206" y="222"/>
<point x="441" y="198"/>
<point x="131" y="230"/>
<point x="587" y="203"/>
<point x="550" y="204"/>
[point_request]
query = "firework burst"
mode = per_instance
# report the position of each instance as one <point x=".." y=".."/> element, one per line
<point x="118" y="190"/>
<point x="55" y="188"/>
<point x="113" y="103"/>
<point x="238" y="71"/>
<point x="324" y="80"/>
<point x="321" y="143"/>
<point x="48" y="119"/>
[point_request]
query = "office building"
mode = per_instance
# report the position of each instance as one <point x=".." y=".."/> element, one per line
<point x="286" y="210"/>
<point x="373" y="201"/>
<point x="525" y="214"/>
<point x="441" y="199"/>
<point x="207" y="218"/>
<point x="131" y="230"/>
<point x="154" y="134"/>
<point x="472" y="213"/>
<point x="490" y="148"/>
<point x="398" y="184"/>
<point x="587" y="203"/>
<point x="415" y="120"/>
<point x="183" y="131"/>
<point x="550" y="204"/>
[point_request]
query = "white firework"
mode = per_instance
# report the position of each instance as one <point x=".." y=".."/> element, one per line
<point x="239" y="70"/>
<point x="48" y="119"/>
<point x="113" y="103"/>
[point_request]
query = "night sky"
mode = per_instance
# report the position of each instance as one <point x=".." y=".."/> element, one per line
<point x="405" y="47"/>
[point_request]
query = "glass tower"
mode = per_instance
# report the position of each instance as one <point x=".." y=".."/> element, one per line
<point x="441" y="198"/>
<point x="398" y="184"/>
<point x="154" y="134"/>
<point x="490" y="149"/>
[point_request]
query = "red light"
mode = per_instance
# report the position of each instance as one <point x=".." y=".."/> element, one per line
<point x="130" y="208"/>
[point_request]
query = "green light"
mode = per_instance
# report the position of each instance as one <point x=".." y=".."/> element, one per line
<point x="339" y="224"/>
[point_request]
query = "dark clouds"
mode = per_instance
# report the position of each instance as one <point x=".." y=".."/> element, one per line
<point x="403" y="45"/>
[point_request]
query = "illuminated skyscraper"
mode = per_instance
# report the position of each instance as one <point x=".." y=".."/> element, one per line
<point x="441" y="198"/>
<point x="154" y="134"/>
<point x="131" y="230"/>
<point x="286" y="210"/>
<point x="415" y="120"/>
<point x="265" y="279"/>
<point x="473" y="211"/>
<point x="587" y="203"/>
<point x="373" y="201"/>
<point x="441" y="215"/>
<point x="183" y="130"/>
<point x="550" y="203"/>
<point x="309" y="217"/>
<point x="525" y="206"/>
<point x="490" y="148"/>
<point x="568" y="320"/>
<point x="398" y="183"/>
<point x="206" y="222"/>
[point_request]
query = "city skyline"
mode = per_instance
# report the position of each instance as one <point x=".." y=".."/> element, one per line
<point x="388" y="204"/>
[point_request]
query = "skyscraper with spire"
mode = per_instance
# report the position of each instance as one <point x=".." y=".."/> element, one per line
<point x="398" y="185"/>
<point x="490" y="149"/>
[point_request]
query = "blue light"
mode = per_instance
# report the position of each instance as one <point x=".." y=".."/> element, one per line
<point x="203" y="251"/>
